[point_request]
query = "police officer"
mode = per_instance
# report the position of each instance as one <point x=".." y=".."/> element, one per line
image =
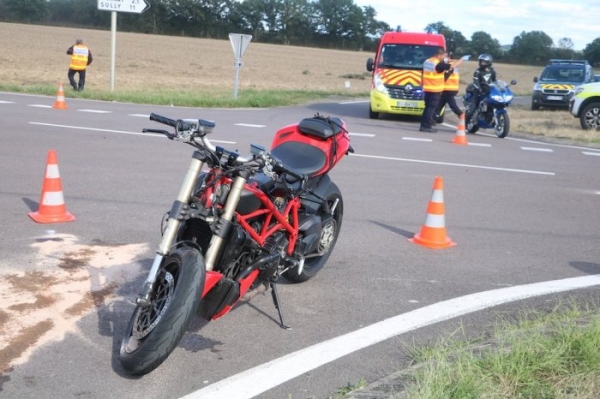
<point x="81" y="57"/>
<point x="433" y="86"/>
<point x="482" y="78"/>
<point x="451" y="87"/>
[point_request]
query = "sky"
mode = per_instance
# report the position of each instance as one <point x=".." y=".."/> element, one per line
<point x="578" y="20"/>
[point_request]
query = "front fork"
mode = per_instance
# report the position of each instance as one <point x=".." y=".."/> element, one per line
<point x="170" y="233"/>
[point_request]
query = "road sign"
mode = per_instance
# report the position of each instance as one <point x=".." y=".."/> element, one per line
<point x="132" y="6"/>
<point x="240" y="43"/>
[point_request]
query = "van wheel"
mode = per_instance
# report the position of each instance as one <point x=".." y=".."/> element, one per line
<point x="372" y="114"/>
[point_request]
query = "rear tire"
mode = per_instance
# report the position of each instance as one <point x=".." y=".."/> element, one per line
<point x="329" y="235"/>
<point x="154" y="332"/>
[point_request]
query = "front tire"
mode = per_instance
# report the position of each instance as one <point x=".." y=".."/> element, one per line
<point x="330" y="231"/>
<point x="502" y="125"/>
<point x="590" y="117"/>
<point x="373" y="114"/>
<point x="154" y="332"/>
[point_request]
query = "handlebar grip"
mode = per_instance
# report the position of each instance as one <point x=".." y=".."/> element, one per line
<point x="277" y="164"/>
<point x="162" y="119"/>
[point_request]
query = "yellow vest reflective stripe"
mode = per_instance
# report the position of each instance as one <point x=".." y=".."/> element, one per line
<point x="453" y="81"/>
<point x="79" y="58"/>
<point x="433" y="81"/>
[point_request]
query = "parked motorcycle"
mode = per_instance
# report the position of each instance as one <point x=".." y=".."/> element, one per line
<point x="236" y="228"/>
<point x="491" y="112"/>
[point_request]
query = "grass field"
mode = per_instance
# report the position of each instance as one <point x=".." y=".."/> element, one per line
<point x="181" y="70"/>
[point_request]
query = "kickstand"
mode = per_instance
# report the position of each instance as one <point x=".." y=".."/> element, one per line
<point x="275" y="296"/>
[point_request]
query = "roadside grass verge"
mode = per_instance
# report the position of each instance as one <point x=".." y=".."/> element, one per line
<point x="538" y="354"/>
<point x="207" y="98"/>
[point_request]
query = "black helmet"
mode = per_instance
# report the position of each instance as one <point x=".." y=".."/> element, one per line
<point x="485" y="60"/>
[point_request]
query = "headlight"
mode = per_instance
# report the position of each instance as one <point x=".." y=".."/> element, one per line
<point x="379" y="84"/>
<point x="497" y="98"/>
<point x="579" y="90"/>
<point x="508" y="97"/>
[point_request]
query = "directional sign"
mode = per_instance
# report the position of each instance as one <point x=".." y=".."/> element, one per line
<point x="132" y="6"/>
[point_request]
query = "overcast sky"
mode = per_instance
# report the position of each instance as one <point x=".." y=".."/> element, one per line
<point x="578" y="20"/>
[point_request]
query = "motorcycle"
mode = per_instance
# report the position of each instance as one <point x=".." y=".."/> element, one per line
<point x="234" y="229"/>
<point x="491" y="112"/>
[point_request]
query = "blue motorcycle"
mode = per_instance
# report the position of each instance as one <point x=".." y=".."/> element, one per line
<point x="491" y="112"/>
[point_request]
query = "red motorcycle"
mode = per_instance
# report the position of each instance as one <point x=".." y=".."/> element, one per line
<point x="235" y="229"/>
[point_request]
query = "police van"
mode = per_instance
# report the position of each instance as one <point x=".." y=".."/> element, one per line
<point x="397" y="70"/>
<point x="557" y="83"/>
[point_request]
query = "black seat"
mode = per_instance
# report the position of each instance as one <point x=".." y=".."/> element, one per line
<point x="301" y="157"/>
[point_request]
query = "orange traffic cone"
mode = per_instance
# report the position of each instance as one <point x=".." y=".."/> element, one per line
<point x="461" y="137"/>
<point x="52" y="207"/>
<point x="60" y="102"/>
<point x="433" y="232"/>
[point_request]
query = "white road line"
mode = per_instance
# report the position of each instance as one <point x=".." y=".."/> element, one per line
<point x="537" y="149"/>
<point x="95" y="111"/>
<point x="540" y="143"/>
<point x="591" y="153"/>
<point x="354" y="102"/>
<point x="140" y="115"/>
<point x="39" y="105"/>
<point x="117" y="131"/>
<point x="362" y="134"/>
<point x="257" y="380"/>
<point x="248" y="125"/>
<point x="480" y="144"/>
<point x="417" y="139"/>
<point x="462" y="165"/>
<point x="7" y="102"/>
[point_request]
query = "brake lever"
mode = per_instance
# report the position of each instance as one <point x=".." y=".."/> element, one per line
<point x="159" y="131"/>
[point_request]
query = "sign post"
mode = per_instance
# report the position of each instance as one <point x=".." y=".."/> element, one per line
<point x="240" y="43"/>
<point x="131" y="6"/>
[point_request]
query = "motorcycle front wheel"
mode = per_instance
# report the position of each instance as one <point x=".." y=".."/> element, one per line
<point x="330" y="230"/>
<point x="502" y="125"/>
<point x="154" y="331"/>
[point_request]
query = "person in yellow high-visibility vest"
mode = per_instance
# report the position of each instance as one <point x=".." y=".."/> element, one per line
<point x="81" y="57"/>
<point x="451" y="87"/>
<point x="433" y="86"/>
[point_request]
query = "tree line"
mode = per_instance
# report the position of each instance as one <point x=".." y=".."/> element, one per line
<point x="338" y="24"/>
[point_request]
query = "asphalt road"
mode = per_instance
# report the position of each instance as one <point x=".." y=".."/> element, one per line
<point x="520" y="211"/>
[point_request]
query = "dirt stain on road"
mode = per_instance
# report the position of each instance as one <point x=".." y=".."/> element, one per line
<point x="70" y="280"/>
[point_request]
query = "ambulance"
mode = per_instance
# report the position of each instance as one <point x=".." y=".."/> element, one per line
<point x="397" y="69"/>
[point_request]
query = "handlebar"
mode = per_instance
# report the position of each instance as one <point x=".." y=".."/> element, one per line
<point x="190" y="130"/>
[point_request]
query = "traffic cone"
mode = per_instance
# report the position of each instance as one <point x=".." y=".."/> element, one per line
<point x="60" y="102"/>
<point x="461" y="137"/>
<point x="433" y="232"/>
<point x="52" y="207"/>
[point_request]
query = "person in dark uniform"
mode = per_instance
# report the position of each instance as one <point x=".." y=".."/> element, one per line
<point x="482" y="78"/>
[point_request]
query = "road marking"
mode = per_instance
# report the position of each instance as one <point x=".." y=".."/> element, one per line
<point x="480" y="144"/>
<point x="7" y="102"/>
<point x="597" y="154"/>
<point x="462" y="165"/>
<point x="537" y="149"/>
<point x="39" y="105"/>
<point x="248" y="125"/>
<point x="355" y="102"/>
<point x="362" y="134"/>
<point x="257" y="380"/>
<point x="548" y="144"/>
<point x="117" y="131"/>
<point x="140" y="115"/>
<point x="95" y="111"/>
<point x="417" y="139"/>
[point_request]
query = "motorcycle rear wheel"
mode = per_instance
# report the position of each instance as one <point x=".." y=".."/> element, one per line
<point x="330" y="231"/>
<point x="502" y="126"/>
<point x="154" y="332"/>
